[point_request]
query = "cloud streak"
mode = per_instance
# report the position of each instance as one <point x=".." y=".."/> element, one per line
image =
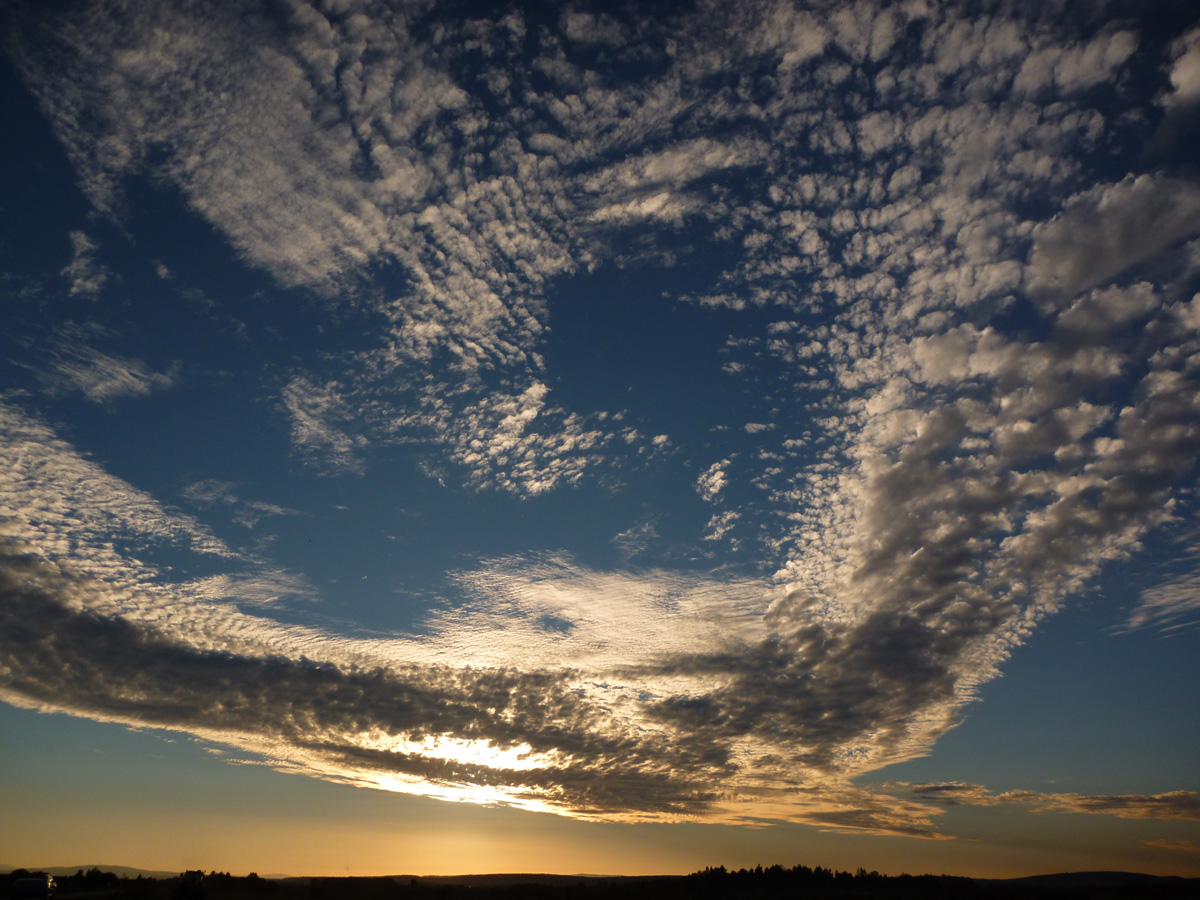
<point x="103" y="378"/>
<point x="1183" y="805"/>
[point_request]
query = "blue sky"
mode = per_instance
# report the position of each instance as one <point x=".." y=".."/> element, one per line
<point x="601" y="440"/>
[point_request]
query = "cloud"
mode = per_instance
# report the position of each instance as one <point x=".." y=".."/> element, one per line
<point x="66" y="508"/>
<point x="544" y="612"/>
<point x="318" y="415"/>
<point x="1177" y="846"/>
<point x="87" y="277"/>
<point x="512" y="439"/>
<point x="530" y="694"/>
<point x="870" y="200"/>
<point x="720" y="525"/>
<point x="594" y="29"/>
<point x="712" y="480"/>
<point x="654" y="184"/>
<point x="100" y="377"/>
<point x="1182" y="101"/>
<point x="264" y="585"/>
<point x="636" y="539"/>
<point x="529" y="738"/>
<point x="323" y="174"/>
<point x="1185" y="70"/>
<point x="214" y="492"/>
<point x="1077" y="67"/>
<point x="1109" y="229"/>
<point x="1183" y="805"/>
<point x="131" y="78"/>
<point x="93" y="630"/>
<point x="1170" y="606"/>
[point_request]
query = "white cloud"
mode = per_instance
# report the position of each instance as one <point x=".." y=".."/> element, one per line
<point x="516" y="441"/>
<point x="87" y="277"/>
<point x="589" y="28"/>
<point x="317" y="412"/>
<point x="544" y="614"/>
<point x="1109" y="229"/>
<point x="1183" y="805"/>
<point x="101" y="377"/>
<point x="214" y="492"/>
<point x="712" y="480"/>
<point x="67" y="509"/>
<point x="637" y="539"/>
<point x="1185" y="69"/>
<point x="1078" y="67"/>
<point x="265" y="586"/>
<point x="720" y="525"/>
<point x="1169" y="607"/>
<point x="662" y="205"/>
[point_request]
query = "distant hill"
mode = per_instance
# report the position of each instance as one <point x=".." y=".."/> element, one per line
<point x="1095" y="879"/>
<point x="511" y="879"/>
<point x="500" y="880"/>
<point x="122" y="871"/>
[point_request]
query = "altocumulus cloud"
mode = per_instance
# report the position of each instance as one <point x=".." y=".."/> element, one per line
<point x="995" y="350"/>
<point x="1171" y="805"/>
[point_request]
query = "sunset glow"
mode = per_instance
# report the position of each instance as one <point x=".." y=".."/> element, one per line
<point x="584" y="437"/>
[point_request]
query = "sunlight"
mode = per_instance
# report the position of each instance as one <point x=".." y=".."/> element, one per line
<point x="479" y="795"/>
<point x="518" y="758"/>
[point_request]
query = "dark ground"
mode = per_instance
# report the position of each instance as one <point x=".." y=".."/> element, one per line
<point x="711" y="884"/>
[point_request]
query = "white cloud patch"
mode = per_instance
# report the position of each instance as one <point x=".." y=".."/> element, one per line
<point x="589" y="28"/>
<point x="1183" y="805"/>
<point x="317" y="413"/>
<point x="543" y="614"/>
<point x="87" y="277"/>
<point x="720" y="525"/>
<point x="1185" y="70"/>
<point x="264" y="586"/>
<point x="214" y="492"/>
<point x="99" y="376"/>
<point x="1109" y="229"/>
<point x="57" y="500"/>
<point x="635" y="540"/>
<point x="1170" y="607"/>
<point x="1075" y="68"/>
<point x="514" y="441"/>
<point x="712" y="480"/>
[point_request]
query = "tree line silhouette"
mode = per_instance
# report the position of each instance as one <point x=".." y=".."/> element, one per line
<point x="713" y="883"/>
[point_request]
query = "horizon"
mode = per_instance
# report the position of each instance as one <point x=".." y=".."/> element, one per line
<point x="132" y="872"/>
<point x="569" y="437"/>
<point x="770" y="881"/>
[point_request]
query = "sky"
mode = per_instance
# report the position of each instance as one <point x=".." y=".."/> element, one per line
<point x="600" y="438"/>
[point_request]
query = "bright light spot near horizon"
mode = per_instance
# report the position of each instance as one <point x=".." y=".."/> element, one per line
<point x="518" y="758"/>
<point x="480" y="795"/>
